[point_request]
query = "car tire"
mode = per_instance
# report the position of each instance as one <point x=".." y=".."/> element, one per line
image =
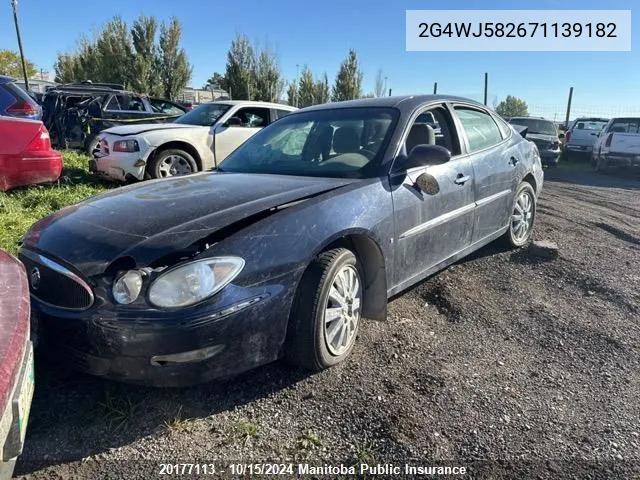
<point x="514" y="237"/>
<point x="171" y="162"/>
<point x="313" y="339"/>
<point x="90" y="144"/>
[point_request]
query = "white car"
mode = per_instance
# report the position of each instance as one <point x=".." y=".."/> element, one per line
<point x="198" y="140"/>
<point x="618" y="144"/>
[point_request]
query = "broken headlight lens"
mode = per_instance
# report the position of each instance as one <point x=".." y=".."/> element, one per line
<point x="126" y="146"/>
<point x="127" y="287"/>
<point x="191" y="283"/>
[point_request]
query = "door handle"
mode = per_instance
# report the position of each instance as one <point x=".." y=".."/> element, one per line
<point x="513" y="161"/>
<point x="462" y="179"/>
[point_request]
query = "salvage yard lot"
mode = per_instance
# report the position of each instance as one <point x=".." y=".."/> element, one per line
<point x="504" y="356"/>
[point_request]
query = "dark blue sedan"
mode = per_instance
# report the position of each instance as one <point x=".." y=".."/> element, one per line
<point x="301" y="233"/>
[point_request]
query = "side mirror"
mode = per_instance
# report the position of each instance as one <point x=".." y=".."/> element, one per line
<point x="425" y="156"/>
<point x="233" y="122"/>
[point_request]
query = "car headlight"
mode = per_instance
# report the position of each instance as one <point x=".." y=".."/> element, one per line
<point x="126" y="146"/>
<point x="127" y="287"/>
<point x="193" y="282"/>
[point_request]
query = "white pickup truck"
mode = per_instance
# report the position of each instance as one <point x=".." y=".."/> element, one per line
<point x="582" y="135"/>
<point x="618" y="144"/>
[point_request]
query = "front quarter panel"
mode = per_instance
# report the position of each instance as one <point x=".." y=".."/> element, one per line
<point x="283" y="245"/>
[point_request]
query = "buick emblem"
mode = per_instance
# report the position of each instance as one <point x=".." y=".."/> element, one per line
<point x="35" y="278"/>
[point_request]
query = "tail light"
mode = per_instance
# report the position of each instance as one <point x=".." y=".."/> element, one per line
<point x="41" y="142"/>
<point x="607" y="142"/>
<point x="23" y="107"/>
<point x="567" y="137"/>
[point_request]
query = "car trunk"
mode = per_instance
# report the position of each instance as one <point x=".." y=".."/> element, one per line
<point x="16" y="356"/>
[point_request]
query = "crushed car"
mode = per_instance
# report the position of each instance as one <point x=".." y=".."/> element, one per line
<point x="306" y="228"/>
<point x="76" y="113"/>
<point x="16" y="361"/>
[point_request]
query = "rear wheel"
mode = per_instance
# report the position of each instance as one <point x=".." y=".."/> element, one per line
<point x="522" y="218"/>
<point x="171" y="163"/>
<point x="326" y="313"/>
<point x="601" y="164"/>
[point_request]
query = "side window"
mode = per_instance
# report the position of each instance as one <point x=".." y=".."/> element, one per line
<point x="253" y="117"/>
<point x="160" y="106"/>
<point x="114" y="103"/>
<point x="282" y="113"/>
<point x="136" y="105"/>
<point x="433" y="127"/>
<point x="504" y="127"/>
<point x="480" y="128"/>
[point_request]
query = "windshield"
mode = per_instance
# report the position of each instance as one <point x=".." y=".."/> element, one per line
<point x="204" y="115"/>
<point x="535" y="125"/>
<point x="625" y="125"/>
<point x="587" y="124"/>
<point x="340" y="142"/>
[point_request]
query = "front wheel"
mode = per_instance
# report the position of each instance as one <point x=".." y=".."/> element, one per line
<point x="171" y="163"/>
<point x="522" y="218"/>
<point x="326" y="313"/>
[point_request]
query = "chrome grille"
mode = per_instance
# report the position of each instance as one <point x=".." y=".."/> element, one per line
<point x="55" y="285"/>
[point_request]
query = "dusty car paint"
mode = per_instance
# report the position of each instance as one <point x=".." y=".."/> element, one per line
<point x="277" y="223"/>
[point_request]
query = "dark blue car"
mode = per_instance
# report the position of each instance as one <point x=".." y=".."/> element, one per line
<point x="301" y="232"/>
<point x="15" y="102"/>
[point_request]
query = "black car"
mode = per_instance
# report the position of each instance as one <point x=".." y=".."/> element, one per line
<point x="304" y="230"/>
<point x="75" y="113"/>
<point x="544" y="134"/>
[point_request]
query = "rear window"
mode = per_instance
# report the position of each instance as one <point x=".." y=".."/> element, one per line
<point x="588" y="124"/>
<point x="18" y="92"/>
<point x="535" y="125"/>
<point x="625" y="125"/>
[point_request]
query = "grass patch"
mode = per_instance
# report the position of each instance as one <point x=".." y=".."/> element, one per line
<point x="118" y="411"/>
<point x="243" y="431"/>
<point x="305" y="445"/>
<point x="179" y="422"/>
<point x="21" y="208"/>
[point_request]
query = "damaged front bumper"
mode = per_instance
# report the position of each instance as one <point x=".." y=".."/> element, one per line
<point x="245" y="329"/>
<point x="121" y="166"/>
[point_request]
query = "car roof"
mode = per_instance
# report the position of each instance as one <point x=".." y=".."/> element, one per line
<point x="403" y="102"/>
<point x="6" y="79"/>
<point x="279" y="106"/>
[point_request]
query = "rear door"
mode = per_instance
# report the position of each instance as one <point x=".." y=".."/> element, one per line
<point x="228" y="138"/>
<point x="432" y="227"/>
<point x="494" y="158"/>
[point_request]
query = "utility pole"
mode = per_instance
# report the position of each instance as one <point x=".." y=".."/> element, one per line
<point x="14" y="4"/>
<point x="566" y="122"/>
<point x="486" y="86"/>
<point x="389" y="92"/>
<point x="435" y="88"/>
<point x="385" y="85"/>
<point x="297" y="73"/>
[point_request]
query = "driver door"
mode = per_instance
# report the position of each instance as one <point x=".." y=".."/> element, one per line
<point x="432" y="226"/>
<point x="229" y="137"/>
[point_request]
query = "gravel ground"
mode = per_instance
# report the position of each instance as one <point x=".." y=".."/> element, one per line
<point x="514" y="365"/>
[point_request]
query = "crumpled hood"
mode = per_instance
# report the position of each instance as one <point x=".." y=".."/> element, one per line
<point x="124" y="130"/>
<point x="151" y="219"/>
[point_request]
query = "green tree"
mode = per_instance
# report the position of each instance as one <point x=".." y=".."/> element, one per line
<point x="240" y="67"/>
<point x="175" y="70"/>
<point x="115" y="53"/>
<point x="146" y="77"/>
<point x="306" y="88"/>
<point x="512" y="107"/>
<point x="348" y="83"/>
<point x="268" y="79"/>
<point x="217" y="80"/>
<point x="379" y="90"/>
<point x="323" y="93"/>
<point x="11" y="65"/>
<point x="292" y="94"/>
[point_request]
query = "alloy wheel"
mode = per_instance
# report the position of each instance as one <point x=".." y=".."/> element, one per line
<point x="175" y="165"/>
<point x="342" y="310"/>
<point x="522" y="217"/>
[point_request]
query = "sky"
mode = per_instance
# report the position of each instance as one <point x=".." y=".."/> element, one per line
<point x="319" y="34"/>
